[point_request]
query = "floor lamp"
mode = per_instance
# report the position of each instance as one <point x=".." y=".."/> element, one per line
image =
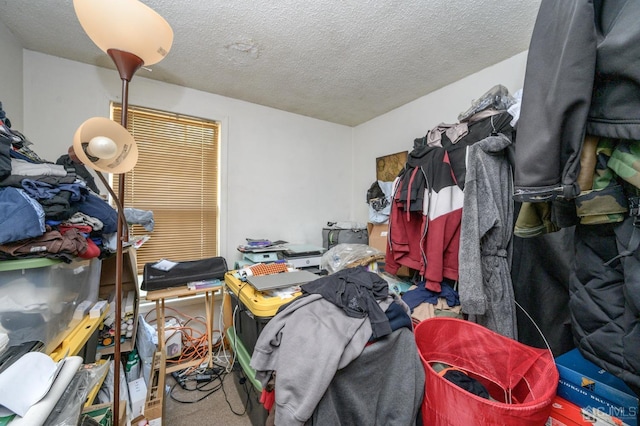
<point x="133" y="35"/>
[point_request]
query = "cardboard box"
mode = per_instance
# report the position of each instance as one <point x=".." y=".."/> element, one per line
<point x="129" y="284"/>
<point x="589" y="386"/>
<point x="154" y="404"/>
<point x="102" y="414"/>
<point x="596" y="405"/>
<point x="137" y="396"/>
<point x="378" y="236"/>
<point x="564" y="413"/>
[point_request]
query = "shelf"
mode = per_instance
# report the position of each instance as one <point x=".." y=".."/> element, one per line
<point x="77" y="337"/>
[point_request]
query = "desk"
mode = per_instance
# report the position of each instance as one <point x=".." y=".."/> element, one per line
<point x="159" y="296"/>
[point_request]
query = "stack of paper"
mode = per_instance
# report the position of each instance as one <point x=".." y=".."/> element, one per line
<point x="32" y="385"/>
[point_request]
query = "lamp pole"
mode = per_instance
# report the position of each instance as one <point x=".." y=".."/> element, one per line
<point x="127" y="64"/>
<point x="132" y="34"/>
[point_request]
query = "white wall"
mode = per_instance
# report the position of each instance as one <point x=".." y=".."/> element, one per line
<point x="11" y="73"/>
<point x="283" y="175"/>
<point x="395" y="131"/>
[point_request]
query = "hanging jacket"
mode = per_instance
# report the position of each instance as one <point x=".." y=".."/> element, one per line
<point x="479" y="127"/>
<point x="424" y="224"/>
<point x="581" y="78"/>
<point x="485" y="287"/>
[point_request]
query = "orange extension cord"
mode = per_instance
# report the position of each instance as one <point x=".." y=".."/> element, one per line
<point x="194" y="341"/>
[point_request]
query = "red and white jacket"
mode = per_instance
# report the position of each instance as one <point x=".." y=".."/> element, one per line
<point x="426" y="212"/>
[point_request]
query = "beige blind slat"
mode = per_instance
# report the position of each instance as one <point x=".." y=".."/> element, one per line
<point x="176" y="178"/>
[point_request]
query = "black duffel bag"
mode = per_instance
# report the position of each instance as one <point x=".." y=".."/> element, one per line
<point x="183" y="273"/>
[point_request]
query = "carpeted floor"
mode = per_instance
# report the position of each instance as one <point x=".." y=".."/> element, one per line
<point x="216" y="403"/>
<point x="205" y="404"/>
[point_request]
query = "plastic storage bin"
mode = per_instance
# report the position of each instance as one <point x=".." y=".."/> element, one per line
<point x="252" y="309"/>
<point x="39" y="296"/>
<point x="247" y="386"/>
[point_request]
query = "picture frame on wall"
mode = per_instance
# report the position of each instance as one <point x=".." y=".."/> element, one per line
<point x="388" y="166"/>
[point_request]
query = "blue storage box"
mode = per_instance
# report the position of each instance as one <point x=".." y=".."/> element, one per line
<point x="589" y="386"/>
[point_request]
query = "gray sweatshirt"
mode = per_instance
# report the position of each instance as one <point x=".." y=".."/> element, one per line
<point x="311" y="339"/>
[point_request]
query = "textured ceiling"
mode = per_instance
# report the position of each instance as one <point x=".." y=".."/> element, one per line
<point x="343" y="61"/>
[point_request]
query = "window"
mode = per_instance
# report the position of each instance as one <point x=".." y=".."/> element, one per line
<point x="176" y="178"/>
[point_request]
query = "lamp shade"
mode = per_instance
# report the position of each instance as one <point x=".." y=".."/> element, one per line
<point x="105" y="145"/>
<point x="126" y="25"/>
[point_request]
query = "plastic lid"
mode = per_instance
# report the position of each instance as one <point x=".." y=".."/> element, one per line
<point x="12" y="265"/>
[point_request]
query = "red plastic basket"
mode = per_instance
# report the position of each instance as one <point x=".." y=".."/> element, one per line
<point x="522" y="380"/>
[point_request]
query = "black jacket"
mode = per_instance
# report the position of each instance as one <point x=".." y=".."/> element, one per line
<point x="582" y="77"/>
